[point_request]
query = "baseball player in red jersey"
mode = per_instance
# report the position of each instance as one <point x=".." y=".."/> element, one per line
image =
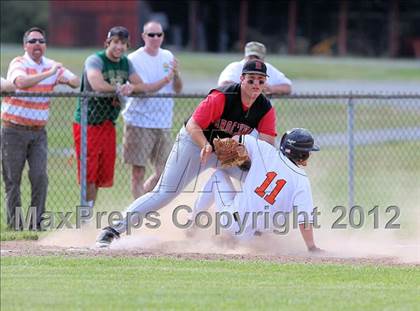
<point x="235" y="109"/>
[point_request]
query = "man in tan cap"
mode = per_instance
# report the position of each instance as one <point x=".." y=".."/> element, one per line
<point x="277" y="82"/>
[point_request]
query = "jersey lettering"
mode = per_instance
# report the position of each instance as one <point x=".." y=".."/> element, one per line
<point x="271" y="197"/>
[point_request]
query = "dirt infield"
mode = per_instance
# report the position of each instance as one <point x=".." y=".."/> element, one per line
<point x="378" y="247"/>
<point x="375" y="247"/>
<point x="36" y="248"/>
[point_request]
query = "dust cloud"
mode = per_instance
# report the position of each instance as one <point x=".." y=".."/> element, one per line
<point x="349" y="243"/>
<point x="401" y="244"/>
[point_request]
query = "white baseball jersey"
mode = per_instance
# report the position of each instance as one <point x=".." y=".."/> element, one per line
<point x="233" y="71"/>
<point x="151" y="112"/>
<point x="274" y="183"/>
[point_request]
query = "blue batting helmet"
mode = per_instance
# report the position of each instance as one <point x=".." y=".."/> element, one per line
<point x="297" y="143"/>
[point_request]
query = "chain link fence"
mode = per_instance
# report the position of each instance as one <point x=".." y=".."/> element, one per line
<point x="369" y="151"/>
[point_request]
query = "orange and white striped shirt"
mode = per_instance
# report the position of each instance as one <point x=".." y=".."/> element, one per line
<point x="30" y="111"/>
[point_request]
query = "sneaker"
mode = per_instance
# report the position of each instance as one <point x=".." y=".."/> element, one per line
<point x="106" y="237"/>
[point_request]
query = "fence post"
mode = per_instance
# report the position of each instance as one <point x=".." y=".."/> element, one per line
<point x="350" y="140"/>
<point x="83" y="150"/>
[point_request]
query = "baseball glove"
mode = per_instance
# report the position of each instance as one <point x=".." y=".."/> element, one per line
<point x="231" y="153"/>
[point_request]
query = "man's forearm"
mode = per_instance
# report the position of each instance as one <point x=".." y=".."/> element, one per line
<point x="23" y="82"/>
<point x="74" y="82"/>
<point x="177" y="83"/>
<point x="104" y="88"/>
<point x="150" y="87"/>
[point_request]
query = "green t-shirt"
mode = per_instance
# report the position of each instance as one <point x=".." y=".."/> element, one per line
<point x="102" y="109"/>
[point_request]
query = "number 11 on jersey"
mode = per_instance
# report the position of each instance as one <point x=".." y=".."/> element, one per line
<point x="271" y="197"/>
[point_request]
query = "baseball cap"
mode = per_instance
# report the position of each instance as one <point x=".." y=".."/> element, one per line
<point x="119" y="31"/>
<point x="255" y="48"/>
<point x="255" y="66"/>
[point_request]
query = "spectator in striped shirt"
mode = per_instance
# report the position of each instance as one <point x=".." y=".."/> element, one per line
<point x="23" y="135"/>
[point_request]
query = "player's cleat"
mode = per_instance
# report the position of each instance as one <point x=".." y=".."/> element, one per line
<point x="106" y="237"/>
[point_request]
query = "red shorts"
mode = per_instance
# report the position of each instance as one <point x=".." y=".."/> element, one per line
<point x="101" y="153"/>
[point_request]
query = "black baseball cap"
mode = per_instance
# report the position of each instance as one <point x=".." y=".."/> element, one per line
<point x="255" y="66"/>
<point x="118" y="31"/>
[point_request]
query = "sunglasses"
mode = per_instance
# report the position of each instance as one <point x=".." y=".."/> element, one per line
<point x="155" y="34"/>
<point x="33" y="41"/>
<point x="251" y="81"/>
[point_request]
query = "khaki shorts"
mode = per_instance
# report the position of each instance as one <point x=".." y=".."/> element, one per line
<point x="143" y="144"/>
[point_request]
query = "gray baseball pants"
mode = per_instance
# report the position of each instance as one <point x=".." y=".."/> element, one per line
<point x="182" y="167"/>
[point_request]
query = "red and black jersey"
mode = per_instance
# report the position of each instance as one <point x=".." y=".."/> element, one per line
<point x="222" y="114"/>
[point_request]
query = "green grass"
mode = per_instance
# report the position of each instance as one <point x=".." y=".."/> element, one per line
<point x="61" y="283"/>
<point x="7" y="235"/>
<point x="205" y="65"/>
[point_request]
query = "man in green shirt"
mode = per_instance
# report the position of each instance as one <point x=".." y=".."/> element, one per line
<point x="107" y="71"/>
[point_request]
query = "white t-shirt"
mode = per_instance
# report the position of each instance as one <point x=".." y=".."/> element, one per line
<point x="233" y="71"/>
<point x="273" y="184"/>
<point x="151" y="112"/>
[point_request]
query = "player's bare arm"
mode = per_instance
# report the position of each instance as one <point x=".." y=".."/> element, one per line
<point x="308" y="236"/>
<point x="198" y="137"/>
